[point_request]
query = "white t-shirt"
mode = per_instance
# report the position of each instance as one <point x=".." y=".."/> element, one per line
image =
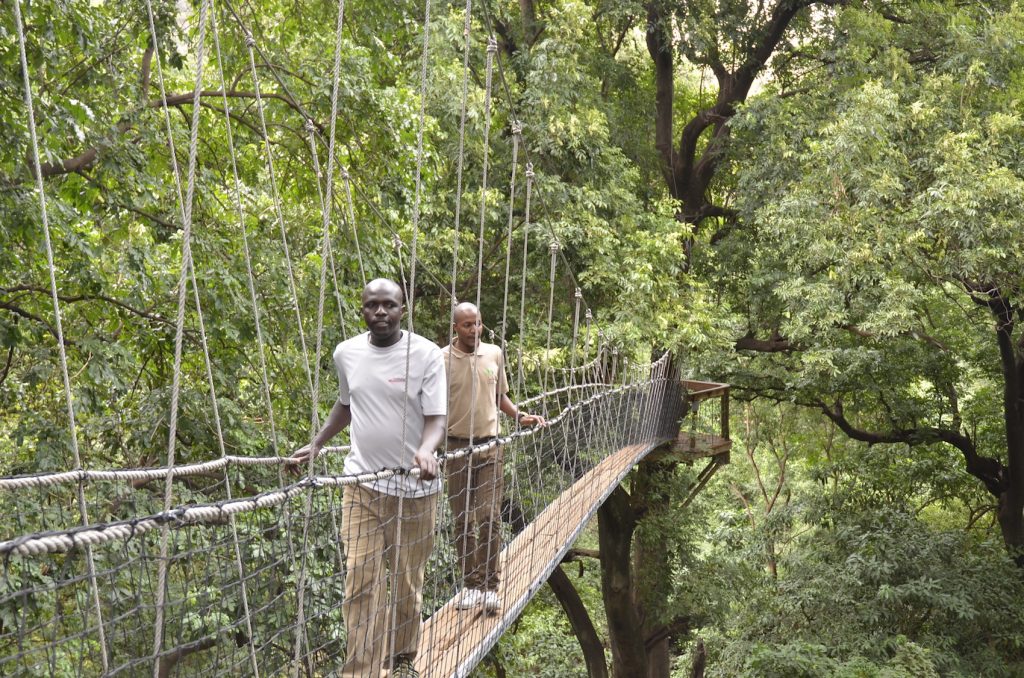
<point x="373" y="383"/>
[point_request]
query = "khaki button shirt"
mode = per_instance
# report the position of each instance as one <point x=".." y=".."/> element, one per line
<point x="476" y="382"/>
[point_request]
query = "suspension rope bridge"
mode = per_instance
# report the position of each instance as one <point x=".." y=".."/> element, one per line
<point x="104" y="574"/>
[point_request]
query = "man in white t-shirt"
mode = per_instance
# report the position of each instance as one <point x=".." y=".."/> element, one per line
<point x="392" y="391"/>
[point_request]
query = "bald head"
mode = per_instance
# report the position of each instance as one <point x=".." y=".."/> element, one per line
<point x="384" y="285"/>
<point x="467" y="323"/>
<point x="383" y="304"/>
<point x="465" y="309"/>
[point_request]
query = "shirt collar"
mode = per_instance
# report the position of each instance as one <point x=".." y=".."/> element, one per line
<point x="458" y="353"/>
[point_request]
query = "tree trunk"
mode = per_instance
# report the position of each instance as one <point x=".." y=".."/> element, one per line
<point x="1011" y="499"/>
<point x="689" y="164"/>
<point x="616" y="522"/>
<point x="528" y="12"/>
<point x="700" y="658"/>
<point x="650" y="561"/>
<point x="579" y="619"/>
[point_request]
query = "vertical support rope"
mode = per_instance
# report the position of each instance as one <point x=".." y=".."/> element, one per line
<point x="553" y="247"/>
<point x="325" y="203"/>
<point x="588" y="318"/>
<point x="492" y="48"/>
<point x="411" y="301"/>
<point x="239" y="563"/>
<point x="186" y="256"/>
<point x="250" y="44"/>
<point x="460" y="159"/>
<point x="58" y="326"/>
<point x="260" y="343"/>
<point x="352" y="222"/>
<point x="520" y="377"/>
<point x="517" y="133"/>
<point x="456" y="227"/>
<point x="578" y="297"/>
<point x="419" y="167"/>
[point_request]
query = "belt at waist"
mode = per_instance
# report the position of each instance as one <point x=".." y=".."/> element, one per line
<point x="475" y="440"/>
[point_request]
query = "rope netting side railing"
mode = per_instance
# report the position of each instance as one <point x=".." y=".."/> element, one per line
<point x="45" y="630"/>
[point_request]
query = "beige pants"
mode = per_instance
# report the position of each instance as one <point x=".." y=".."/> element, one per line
<point x="475" y="487"/>
<point x="387" y="542"/>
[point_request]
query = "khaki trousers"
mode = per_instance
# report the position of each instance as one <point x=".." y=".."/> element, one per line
<point x="387" y="542"/>
<point x="476" y="485"/>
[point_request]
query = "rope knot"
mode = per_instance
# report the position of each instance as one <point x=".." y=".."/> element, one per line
<point x="517" y="127"/>
<point x="310" y="126"/>
<point x="529" y="170"/>
<point x="554" y="247"/>
<point x="396" y="241"/>
<point x="492" y="45"/>
<point x="250" y="41"/>
<point x="579" y="293"/>
<point x="589" y="315"/>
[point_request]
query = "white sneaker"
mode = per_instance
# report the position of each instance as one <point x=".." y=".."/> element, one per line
<point x="469" y="599"/>
<point x="492" y="603"/>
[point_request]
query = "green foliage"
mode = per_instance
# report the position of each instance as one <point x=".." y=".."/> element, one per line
<point x="886" y="592"/>
<point x="878" y="168"/>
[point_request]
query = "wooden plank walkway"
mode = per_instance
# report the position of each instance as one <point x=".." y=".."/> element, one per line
<point x="454" y="641"/>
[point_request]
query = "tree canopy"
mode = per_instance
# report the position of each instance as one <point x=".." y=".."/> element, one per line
<point x="815" y="201"/>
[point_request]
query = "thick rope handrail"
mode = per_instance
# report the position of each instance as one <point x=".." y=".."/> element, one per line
<point x="64" y="540"/>
<point x="148" y="473"/>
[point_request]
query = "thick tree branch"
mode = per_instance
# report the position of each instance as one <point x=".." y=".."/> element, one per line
<point x="71" y="299"/>
<point x="172" y="658"/>
<point x="579" y="619"/>
<point x="577" y="554"/>
<point x="7" y="365"/>
<point x="775" y="344"/>
<point x="989" y="471"/>
<point x="28" y="315"/>
<point x="87" y="158"/>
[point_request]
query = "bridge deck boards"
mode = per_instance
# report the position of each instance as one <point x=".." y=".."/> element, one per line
<point x="454" y="641"/>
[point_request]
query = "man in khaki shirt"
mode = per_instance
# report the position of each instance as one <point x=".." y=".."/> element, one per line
<point x="477" y="389"/>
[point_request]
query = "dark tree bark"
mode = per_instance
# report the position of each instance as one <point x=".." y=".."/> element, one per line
<point x="169" y="661"/>
<point x="579" y="619"/>
<point x="688" y="171"/>
<point x="528" y="12"/>
<point x="616" y="523"/>
<point x="1011" y="358"/>
<point x="700" y="659"/>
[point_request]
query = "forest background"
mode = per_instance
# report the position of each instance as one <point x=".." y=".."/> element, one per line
<point x="816" y="202"/>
